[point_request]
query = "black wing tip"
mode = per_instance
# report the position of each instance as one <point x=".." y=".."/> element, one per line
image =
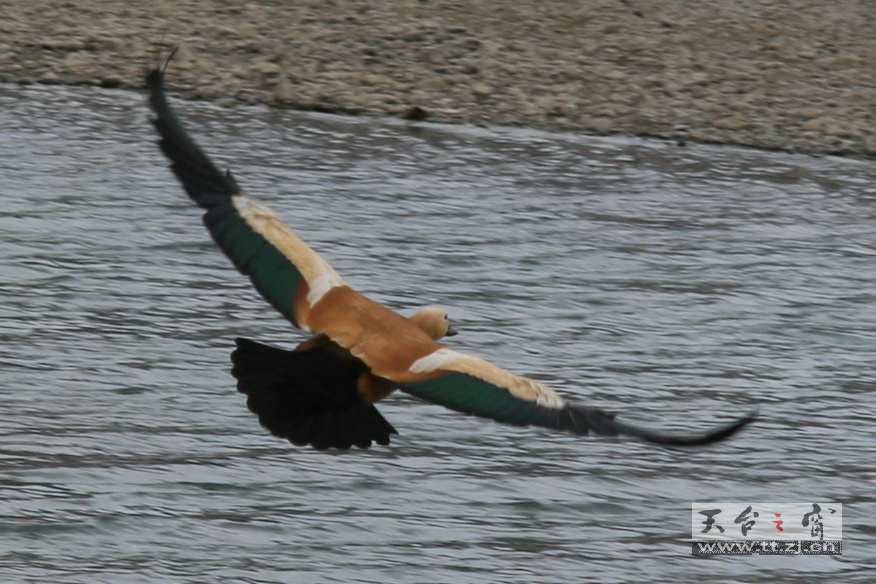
<point x="155" y="82"/>
<point x="717" y="435"/>
<point x="202" y="180"/>
<point x="155" y="77"/>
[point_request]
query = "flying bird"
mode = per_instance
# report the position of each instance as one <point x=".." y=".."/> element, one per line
<point x="322" y="393"/>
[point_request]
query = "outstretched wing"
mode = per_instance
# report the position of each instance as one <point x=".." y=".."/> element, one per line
<point x="470" y="385"/>
<point x="287" y="273"/>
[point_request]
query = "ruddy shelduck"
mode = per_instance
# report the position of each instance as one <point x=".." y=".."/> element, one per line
<point x="323" y="392"/>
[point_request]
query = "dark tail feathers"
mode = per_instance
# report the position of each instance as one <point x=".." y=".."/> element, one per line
<point x="308" y="397"/>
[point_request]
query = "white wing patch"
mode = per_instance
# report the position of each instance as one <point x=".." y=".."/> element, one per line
<point x="434" y="361"/>
<point x="520" y="387"/>
<point x="320" y="286"/>
<point x="256" y="216"/>
<point x="318" y="274"/>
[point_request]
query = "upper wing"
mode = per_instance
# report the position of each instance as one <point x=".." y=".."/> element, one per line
<point x="287" y="273"/>
<point x="474" y="386"/>
<point x="290" y="275"/>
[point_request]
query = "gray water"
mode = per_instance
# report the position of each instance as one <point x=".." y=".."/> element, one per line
<point x="677" y="286"/>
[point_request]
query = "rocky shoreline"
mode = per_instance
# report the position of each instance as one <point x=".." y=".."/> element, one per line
<point x="795" y="75"/>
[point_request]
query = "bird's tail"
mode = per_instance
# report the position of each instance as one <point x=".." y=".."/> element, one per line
<point x="308" y="397"/>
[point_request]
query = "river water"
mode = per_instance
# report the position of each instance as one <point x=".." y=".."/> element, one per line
<point x="678" y="286"/>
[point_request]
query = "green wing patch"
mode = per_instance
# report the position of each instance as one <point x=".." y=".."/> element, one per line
<point x="272" y="274"/>
<point x="471" y="395"/>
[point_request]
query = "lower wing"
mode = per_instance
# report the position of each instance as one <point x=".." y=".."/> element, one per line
<point x="473" y="386"/>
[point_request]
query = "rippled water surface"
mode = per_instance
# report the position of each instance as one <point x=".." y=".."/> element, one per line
<point x="678" y="286"/>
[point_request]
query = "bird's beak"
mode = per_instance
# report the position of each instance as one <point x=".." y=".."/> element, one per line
<point x="451" y="332"/>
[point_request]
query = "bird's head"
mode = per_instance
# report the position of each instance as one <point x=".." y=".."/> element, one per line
<point x="434" y="321"/>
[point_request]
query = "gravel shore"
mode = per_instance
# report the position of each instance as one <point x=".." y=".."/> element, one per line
<point x="794" y="74"/>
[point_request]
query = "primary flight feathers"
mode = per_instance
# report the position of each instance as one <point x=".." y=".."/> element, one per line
<point x="323" y="392"/>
